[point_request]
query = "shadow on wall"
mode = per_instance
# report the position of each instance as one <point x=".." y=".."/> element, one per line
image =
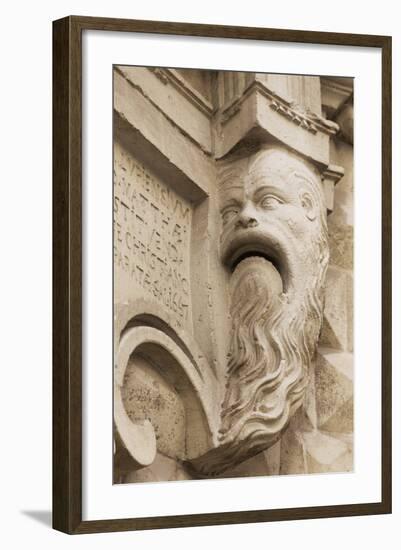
<point x="41" y="516"/>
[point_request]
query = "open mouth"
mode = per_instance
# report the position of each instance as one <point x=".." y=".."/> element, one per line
<point x="258" y="254"/>
<point x="252" y="250"/>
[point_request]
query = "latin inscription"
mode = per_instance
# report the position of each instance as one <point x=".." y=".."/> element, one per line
<point x="152" y="228"/>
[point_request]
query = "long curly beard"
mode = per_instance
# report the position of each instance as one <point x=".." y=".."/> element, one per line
<point x="273" y="340"/>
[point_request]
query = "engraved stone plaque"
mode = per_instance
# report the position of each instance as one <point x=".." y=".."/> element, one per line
<point x="152" y="233"/>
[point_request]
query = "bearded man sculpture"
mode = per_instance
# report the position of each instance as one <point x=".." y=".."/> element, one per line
<point x="274" y="243"/>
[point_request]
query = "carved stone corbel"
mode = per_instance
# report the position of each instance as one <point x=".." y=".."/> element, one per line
<point x="274" y="242"/>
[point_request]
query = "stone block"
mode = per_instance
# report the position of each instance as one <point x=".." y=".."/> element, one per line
<point x="162" y="469"/>
<point x="175" y="98"/>
<point x="334" y="391"/>
<point x="341" y="153"/>
<point x="266" y="463"/>
<point x="341" y="243"/>
<point x="293" y="460"/>
<point x="325" y="453"/>
<point x="337" y="329"/>
<point x="306" y="417"/>
<point x="315" y="452"/>
<point x="144" y="118"/>
<point x="147" y="395"/>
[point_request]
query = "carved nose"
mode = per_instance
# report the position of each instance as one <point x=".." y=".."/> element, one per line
<point x="245" y="221"/>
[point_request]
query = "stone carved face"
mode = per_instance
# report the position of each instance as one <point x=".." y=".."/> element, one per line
<point x="272" y="206"/>
<point x="274" y="241"/>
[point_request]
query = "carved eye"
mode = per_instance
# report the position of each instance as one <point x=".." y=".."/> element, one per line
<point x="308" y="205"/>
<point x="229" y="213"/>
<point x="270" y="202"/>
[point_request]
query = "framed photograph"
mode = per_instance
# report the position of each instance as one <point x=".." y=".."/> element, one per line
<point x="222" y="275"/>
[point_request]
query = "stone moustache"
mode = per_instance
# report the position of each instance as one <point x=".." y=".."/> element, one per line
<point x="274" y="242"/>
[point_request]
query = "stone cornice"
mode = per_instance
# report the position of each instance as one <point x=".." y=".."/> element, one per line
<point x="306" y="119"/>
<point x="173" y="77"/>
<point x="335" y="92"/>
<point x="330" y="177"/>
<point x="183" y="115"/>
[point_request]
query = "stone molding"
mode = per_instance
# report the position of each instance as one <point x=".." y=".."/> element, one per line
<point x="336" y="91"/>
<point x="184" y="88"/>
<point x="330" y="177"/>
<point x="292" y="110"/>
